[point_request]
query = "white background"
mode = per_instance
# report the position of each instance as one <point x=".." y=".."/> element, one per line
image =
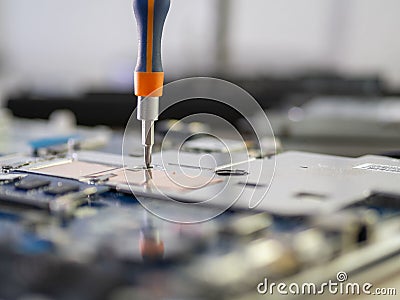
<point x="70" y="45"/>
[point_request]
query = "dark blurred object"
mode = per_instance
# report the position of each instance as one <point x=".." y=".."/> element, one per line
<point x="277" y="92"/>
<point x="114" y="109"/>
<point x="92" y="109"/>
<point x="25" y="276"/>
<point x="392" y="154"/>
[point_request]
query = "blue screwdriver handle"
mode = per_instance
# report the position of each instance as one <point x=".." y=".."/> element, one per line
<point x="150" y="19"/>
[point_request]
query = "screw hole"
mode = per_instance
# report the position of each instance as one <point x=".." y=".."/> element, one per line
<point x="230" y="172"/>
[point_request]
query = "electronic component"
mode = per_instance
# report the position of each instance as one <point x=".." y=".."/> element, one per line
<point x="250" y="225"/>
<point x="65" y="205"/>
<point x="348" y="228"/>
<point x="47" y="193"/>
<point x="62" y="188"/>
<point x="209" y="144"/>
<point x="239" y="270"/>
<point x="31" y="184"/>
<point x="6" y="178"/>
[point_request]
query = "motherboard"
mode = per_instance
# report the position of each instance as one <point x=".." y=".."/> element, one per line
<point x="90" y="225"/>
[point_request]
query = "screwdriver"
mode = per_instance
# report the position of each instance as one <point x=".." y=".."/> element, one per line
<point x="149" y="76"/>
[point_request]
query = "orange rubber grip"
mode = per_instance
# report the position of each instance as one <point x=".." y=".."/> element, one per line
<point x="149" y="84"/>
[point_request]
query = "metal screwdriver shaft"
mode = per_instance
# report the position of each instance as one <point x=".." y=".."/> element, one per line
<point x="149" y="75"/>
<point x="148" y="136"/>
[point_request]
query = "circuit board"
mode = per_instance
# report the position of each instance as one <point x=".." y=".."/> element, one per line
<point x="86" y="226"/>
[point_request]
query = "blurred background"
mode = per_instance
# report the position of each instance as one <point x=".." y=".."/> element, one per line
<point x="302" y="60"/>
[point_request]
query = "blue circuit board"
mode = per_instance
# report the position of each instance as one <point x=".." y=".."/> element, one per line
<point x="111" y="234"/>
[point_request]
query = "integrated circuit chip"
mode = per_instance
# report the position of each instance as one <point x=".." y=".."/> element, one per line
<point x="31" y="184"/>
<point x="62" y="188"/>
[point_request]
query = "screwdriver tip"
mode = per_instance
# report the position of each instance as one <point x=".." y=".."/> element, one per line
<point x="147" y="155"/>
